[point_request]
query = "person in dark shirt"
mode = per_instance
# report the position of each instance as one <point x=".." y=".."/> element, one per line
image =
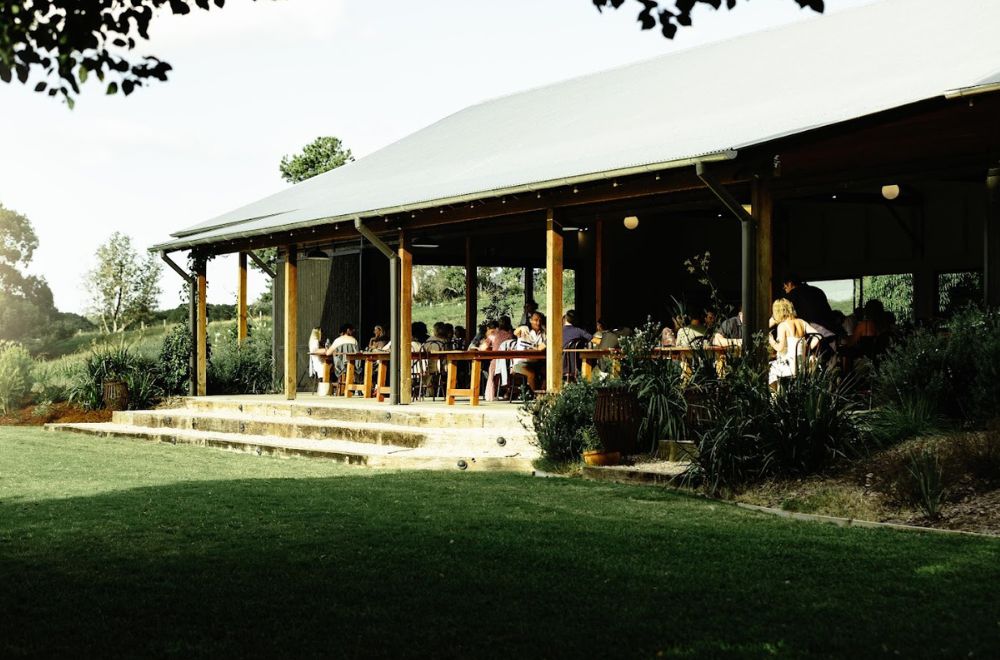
<point x="730" y="331"/>
<point x="810" y="305"/>
<point x="572" y="333"/>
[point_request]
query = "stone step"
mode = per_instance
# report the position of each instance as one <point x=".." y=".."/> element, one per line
<point x="361" y="410"/>
<point x="354" y="453"/>
<point x="307" y="428"/>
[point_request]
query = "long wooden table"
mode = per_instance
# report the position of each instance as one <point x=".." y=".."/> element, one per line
<point x="366" y="387"/>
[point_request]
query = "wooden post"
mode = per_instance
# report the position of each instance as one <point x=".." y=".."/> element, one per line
<point x="529" y="284"/>
<point x="291" y="320"/>
<point x="202" y="333"/>
<point x="405" y="319"/>
<point x="762" y="209"/>
<point x="471" y="290"/>
<point x="553" y="302"/>
<point x="241" y="300"/>
<point x="598" y="268"/>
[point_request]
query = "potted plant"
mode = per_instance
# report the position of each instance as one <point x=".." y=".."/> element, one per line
<point x="617" y="417"/>
<point x="594" y="451"/>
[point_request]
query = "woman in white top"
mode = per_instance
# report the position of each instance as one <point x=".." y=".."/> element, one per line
<point x="787" y="340"/>
<point x="315" y="362"/>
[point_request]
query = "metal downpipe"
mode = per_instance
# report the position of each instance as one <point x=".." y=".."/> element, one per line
<point x="748" y="246"/>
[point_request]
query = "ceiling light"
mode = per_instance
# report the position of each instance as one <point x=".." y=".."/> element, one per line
<point x="631" y="222"/>
<point x="891" y="192"/>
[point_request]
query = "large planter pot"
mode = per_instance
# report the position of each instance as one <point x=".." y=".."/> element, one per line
<point x="598" y="458"/>
<point x="115" y="394"/>
<point x="617" y="419"/>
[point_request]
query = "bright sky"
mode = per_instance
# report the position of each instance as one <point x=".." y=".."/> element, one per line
<point x="258" y="80"/>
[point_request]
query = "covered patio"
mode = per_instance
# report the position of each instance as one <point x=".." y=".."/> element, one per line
<point x="824" y="165"/>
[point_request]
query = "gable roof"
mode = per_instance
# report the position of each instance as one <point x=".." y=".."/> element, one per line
<point x="702" y="103"/>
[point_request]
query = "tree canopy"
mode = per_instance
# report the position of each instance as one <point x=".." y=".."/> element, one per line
<point x="25" y="300"/>
<point x="321" y="155"/>
<point x="123" y="286"/>
<point x="672" y="15"/>
<point x="63" y="42"/>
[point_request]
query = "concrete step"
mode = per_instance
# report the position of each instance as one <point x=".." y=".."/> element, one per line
<point x="354" y="453"/>
<point x="308" y="428"/>
<point x="462" y="416"/>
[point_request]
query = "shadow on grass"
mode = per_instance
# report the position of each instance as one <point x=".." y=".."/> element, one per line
<point x="473" y="565"/>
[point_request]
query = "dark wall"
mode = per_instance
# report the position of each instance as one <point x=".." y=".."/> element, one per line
<point x="329" y="296"/>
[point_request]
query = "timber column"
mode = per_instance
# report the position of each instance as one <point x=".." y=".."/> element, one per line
<point x="241" y="300"/>
<point x="762" y="209"/>
<point x="201" y="333"/>
<point x="471" y="290"/>
<point x="405" y="320"/>
<point x="991" y="241"/>
<point x="553" y="302"/>
<point x="291" y="320"/>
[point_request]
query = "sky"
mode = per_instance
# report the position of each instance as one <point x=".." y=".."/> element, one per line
<point x="258" y="80"/>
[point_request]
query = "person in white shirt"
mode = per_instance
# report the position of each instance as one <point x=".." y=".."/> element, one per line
<point x="347" y="333"/>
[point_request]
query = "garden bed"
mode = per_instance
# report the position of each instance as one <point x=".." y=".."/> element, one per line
<point x="55" y="413"/>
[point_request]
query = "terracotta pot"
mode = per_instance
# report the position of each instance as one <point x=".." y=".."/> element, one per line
<point x="115" y="394"/>
<point x="601" y="457"/>
<point x="617" y="419"/>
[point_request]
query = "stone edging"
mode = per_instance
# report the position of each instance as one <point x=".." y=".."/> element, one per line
<point x="850" y="522"/>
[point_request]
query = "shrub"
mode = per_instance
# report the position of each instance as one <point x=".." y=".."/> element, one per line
<point x="51" y="383"/>
<point x="246" y="369"/>
<point x="114" y="363"/>
<point x="749" y="433"/>
<point x="909" y="416"/>
<point x="660" y="386"/>
<point x="175" y="360"/>
<point x="15" y="375"/>
<point x="927" y="478"/>
<point x="560" y="421"/>
<point x="959" y="372"/>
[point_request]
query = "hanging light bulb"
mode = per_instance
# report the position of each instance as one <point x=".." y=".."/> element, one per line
<point x="631" y="222"/>
<point x="890" y="192"/>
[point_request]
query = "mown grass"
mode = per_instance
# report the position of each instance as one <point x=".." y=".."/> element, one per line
<point x="125" y="548"/>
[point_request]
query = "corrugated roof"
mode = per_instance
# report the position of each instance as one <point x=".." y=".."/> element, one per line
<point x="657" y="113"/>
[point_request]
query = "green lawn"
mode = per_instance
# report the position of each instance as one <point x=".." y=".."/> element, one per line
<point x="126" y="548"/>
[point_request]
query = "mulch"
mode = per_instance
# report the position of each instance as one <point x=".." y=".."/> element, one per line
<point x="56" y="413"/>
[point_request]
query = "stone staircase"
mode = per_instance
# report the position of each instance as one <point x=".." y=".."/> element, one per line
<point x="355" y="431"/>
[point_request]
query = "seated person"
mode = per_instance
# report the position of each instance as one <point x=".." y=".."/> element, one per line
<point x="378" y="339"/>
<point x="605" y="337"/>
<point x="789" y="332"/>
<point x="478" y="338"/>
<point x="874" y="322"/>
<point x="531" y="370"/>
<point x="458" y="339"/>
<point x="536" y="329"/>
<point x="571" y="333"/>
<point x="730" y="331"/>
<point x="668" y="337"/>
<point x="690" y="332"/>
<point x="346" y="338"/>
<point x="530" y="307"/>
<point x="315" y="362"/>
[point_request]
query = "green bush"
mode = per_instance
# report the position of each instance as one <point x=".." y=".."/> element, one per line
<point x="927" y="479"/>
<point x="174" y="363"/>
<point x="246" y="369"/>
<point x="115" y="363"/>
<point x="958" y="372"/>
<point x="910" y="416"/>
<point x="561" y="420"/>
<point x="51" y="383"/>
<point x="660" y="385"/>
<point x="748" y="433"/>
<point x="15" y="375"/>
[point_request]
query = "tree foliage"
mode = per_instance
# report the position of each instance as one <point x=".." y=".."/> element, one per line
<point x="26" y="304"/>
<point x="62" y="43"/>
<point x="321" y="155"/>
<point x="672" y="15"/>
<point x="123" y="286"/>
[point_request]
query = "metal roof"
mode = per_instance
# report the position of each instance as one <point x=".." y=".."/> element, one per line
<point x="705" y="102"/>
